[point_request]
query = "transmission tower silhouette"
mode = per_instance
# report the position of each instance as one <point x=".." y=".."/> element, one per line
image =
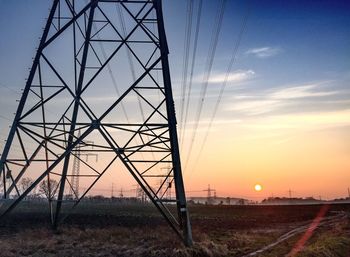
<point x="80" y="89"/>
<point x="74" y="187"/>
<point x="74" y="190"/>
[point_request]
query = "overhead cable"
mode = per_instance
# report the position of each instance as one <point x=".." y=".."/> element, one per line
<point x="193" y="62"/>
<point x="224" y="84"/>
<point x="206" y="76"/>
<point x="185" y="60"/>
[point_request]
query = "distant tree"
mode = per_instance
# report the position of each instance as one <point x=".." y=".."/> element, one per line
<point x="48" y="189"/>
<point x="25" y="183"/>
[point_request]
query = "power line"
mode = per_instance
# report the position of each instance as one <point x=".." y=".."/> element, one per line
<point x="185" y="60"/>
<point x="198" y="21"/>
<point x="11" y="89"/>
<point x="224" y="84"/>
<point x="5" y="118"/>
<point x="209" y="64"/>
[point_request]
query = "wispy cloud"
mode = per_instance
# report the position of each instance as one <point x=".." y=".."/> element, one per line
<point x="234" y="77"/>
<point x="301" y="92"/>
<point x="264" y="52"/>
<point x="256" y="107"/>
<point x="277" y="99"/>
<point x="317" y="120"/>
<point x="217" y="125"/>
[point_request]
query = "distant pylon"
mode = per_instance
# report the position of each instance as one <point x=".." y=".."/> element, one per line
<point x="168" y="183"/>
<point x="74" y="189"/>
<point x="79" y="89"/>
<point x="209" y="195"/>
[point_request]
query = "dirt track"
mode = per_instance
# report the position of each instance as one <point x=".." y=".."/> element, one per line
<point x="325" y="222"/>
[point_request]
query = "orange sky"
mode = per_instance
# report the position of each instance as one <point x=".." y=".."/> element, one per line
<point x="308" y="154"/>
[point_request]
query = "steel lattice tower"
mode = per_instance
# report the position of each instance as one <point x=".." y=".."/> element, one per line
<point x="74" y="181"/>
<point x="80" y="60"/>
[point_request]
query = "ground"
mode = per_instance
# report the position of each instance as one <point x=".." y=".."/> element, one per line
<point x="105" y="229"/>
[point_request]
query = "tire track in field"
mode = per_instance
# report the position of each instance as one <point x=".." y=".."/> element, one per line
<point x="326" y="222"/>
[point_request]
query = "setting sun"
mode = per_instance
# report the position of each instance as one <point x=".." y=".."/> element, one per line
<point x="258" y="187"/>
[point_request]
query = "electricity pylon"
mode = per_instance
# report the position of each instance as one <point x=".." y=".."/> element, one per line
<point x="74" y="181"/>
<point x="98" y="78"/>
<point x="75" y="175"/>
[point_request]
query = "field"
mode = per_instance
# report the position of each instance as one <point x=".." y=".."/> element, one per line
<point x="102" y="229"/>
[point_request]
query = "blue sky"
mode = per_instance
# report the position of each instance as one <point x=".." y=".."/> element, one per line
<point x="285" y="43"/>
<point x="290" y="79"/>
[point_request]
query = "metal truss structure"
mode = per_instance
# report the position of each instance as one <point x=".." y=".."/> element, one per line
<point x="101" y="75"/>
<point x="74" y="180"/>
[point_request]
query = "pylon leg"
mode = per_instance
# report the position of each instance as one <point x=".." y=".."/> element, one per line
<point x="179" y="185"/>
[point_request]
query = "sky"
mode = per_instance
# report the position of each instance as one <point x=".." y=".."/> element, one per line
<point x="284" y="118"/>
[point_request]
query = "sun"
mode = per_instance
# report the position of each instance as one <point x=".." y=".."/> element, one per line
<point x="258" y="187"/>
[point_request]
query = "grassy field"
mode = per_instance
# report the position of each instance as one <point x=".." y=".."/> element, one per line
<point x="102" y="229"/>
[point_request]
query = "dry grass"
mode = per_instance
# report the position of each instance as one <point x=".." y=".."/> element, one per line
<point x="331" y="243"/>
<point x="218" y="231"/>
<point x="117" y="241"/>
